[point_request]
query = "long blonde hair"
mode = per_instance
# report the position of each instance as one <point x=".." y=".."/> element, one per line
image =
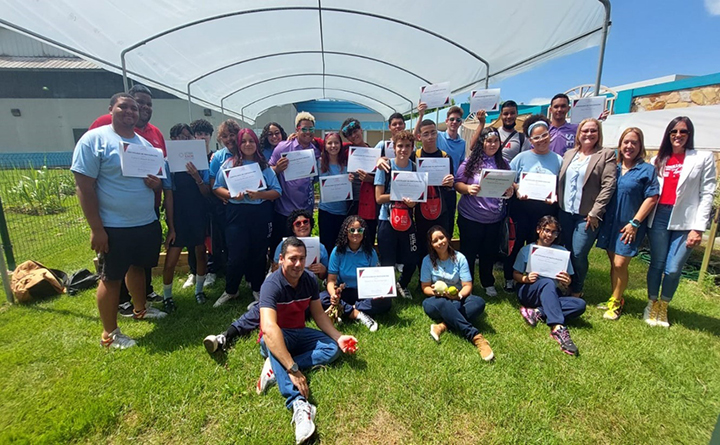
<point x="642" y="153"/>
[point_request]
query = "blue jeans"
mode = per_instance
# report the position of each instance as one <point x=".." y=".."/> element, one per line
<point x="668" y="255"/>
<point x="544" y="295"/>
<point x="578" y="241"/>
<point x="457" y="315"/>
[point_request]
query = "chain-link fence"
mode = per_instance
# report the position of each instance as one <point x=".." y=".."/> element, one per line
<point x="43" y="217"/>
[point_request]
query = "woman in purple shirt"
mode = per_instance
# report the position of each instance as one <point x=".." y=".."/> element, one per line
<point x="480" y="219"/>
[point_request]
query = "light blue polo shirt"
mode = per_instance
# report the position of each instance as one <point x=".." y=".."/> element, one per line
<point x="218" y="159"/>
<point x="531" y="162"/>
<point x="169" y="182"/>
<point x="453" y="273"/>
<point x="455" y="148"/>
<point x="323" y="255"/>
<point x="337" y="207"/>
<point x="270" y="180"/>
<point x="380" y="180"/>
<point x="122" y="201"/>
<point x="345" y="265"/>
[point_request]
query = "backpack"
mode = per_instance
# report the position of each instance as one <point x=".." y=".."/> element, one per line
<point x="400" y="214"/>
<point x="81" y="280"/>
<point x="432" y="208"/>
<point x="31" y="281"/>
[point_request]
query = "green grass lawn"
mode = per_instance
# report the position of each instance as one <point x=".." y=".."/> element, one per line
<point x="631" y="383"/>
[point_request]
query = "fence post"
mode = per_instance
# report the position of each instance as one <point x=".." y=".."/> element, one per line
<point x="5" y="239"/>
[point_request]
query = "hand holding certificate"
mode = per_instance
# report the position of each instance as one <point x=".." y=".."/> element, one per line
<point x="537" y="186"/>
<point x="362" y="158"/>
<point x="436" y="168"/>
<point x="179" y="153"/>
<point x="494" y="183"/>
<point x="488" y="100"/>
<point x="436" y="95"/>
<point x="376" y="282"/>
<point x="335" y="188"/>
<point x="587" y="108"/>
<point x="410" y="185"/>
<point x="301" y="164"/>
<point x="139" y="161"/>
<point x="244" y="178"/>
<point x="547" y="262"/>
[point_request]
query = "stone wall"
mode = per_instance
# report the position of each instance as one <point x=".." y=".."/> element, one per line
<point x="693" y="97"/>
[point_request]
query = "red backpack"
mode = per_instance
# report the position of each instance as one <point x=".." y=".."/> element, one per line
<point x="432" y="208"/>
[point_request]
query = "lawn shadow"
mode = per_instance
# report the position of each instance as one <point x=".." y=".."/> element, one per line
<point x="482" y="324"/>
<point x="65" y="312"/>
<point x="695" y="321"/>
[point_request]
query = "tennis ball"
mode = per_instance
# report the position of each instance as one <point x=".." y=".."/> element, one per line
<point x="452" y="290"/>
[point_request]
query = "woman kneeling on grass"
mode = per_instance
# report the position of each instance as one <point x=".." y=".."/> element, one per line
<point x="540" y="297"/>
<point x="449" y="307"/>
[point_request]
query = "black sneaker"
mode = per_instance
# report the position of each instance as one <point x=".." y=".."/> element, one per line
<point x="562" y="336"/>
<point x="155" y="298"/>
<point x="169" y="305"/>
<point x="200" y="298"/>
<point x="126" y="309"/>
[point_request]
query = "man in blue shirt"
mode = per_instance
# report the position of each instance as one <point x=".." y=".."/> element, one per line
<point x="124" y="230"/>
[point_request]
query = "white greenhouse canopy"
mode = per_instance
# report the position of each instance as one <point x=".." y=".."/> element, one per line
<point x="247" y="56"/>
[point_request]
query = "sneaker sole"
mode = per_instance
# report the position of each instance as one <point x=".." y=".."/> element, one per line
<point x="563" y="349"/>
<point x="313" y="412"/>
<point x="489" y="357"/>
<point x="210" y="346"/>
<point x="434" y="336"/>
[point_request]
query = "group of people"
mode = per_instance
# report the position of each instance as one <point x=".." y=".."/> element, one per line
<point x="612" y="196"/>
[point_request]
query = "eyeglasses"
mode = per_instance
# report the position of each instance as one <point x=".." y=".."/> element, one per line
<point x="308" y="129"/>
<point x="454" y="119"/>
<point x="675" y="131"/>
<point x="429" y="134"/>
<point x="353" y="230"/>
<point x="551" y="232"/>
<point x="301" y="222"/>
<point x="540" y="137"/>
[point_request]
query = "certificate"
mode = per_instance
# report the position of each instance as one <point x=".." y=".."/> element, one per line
<point x="494" y="183"/>
<point x="312" y="249"/>
<point x="362" y="158"/>
<point x="488" y="100"/>
<point x="138" y="161"/>
<point x="411" y="185"/>
<point x="335" y="188"/>
<point x="587" y="107"/>
<point x="244" y="178"/>
<point x="435" y="95"/>
<point x="436" y="168"/>
<point x="376" y="282"/>
<point x="179" y="153"/>
<point x="547" y="262"/>
<point x="537" y="186"/>
<point x="301" y="164"/>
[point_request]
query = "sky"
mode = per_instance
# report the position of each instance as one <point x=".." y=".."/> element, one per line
<point x="647" y="39"/>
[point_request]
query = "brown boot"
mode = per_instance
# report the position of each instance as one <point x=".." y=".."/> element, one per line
<point x="436" y="330"/>
<point x="484" y="347"/>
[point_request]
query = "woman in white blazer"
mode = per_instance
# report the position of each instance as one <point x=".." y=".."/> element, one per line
<point x="687" y="185"/>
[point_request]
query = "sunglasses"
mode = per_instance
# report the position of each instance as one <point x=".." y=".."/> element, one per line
<point x="359" y="230"/>
<point x="307" y="129"/>
<point x="300" y="223"/>
<point x="679" y="131"/>
<point x="454" y="119"/>
<point x="540" y="137"/>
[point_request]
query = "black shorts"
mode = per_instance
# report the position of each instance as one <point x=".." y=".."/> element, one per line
<point x="130" y="246"/>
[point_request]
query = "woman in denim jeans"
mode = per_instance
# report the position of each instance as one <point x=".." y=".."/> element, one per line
<point x="687" y="185"/>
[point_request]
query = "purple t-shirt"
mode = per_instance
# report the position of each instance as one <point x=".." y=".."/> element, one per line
<point x="297" y="194"/>
<point x="562" y="138"/>
<point x="474" y="208"/>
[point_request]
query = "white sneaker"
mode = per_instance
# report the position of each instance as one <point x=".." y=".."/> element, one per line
<point x="303" y="417"/>
<point x="214" y="342"/>
<point x="210" y="279"/>
<point x="149" y="312"/>
<point x="491" y="291"/>
<point x="509" y="285"/>
<point x="190" y="282"/>
<point x="267" y="377"/>
<point x="403" y="292"/>
<point x="224" y="298"/>
<point x="399" y="267"/>
<point x="367" y="321"/>
<point x="256" y="296"/>
<point x="651" y="312"/>
<point x="117" y="340"/>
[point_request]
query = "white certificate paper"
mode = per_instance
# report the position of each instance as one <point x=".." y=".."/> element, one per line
<point x="179" y="153"/>
<point x="301" y="164"/>
<point x="537" y="186"/>
<point x="435" y="95"/>
<point x="494" y="183"/>
<point x="138" y="161"/>
<point x="335" y="188"/>
<point x="411" y="185"/>
<point x="244" y="178"/>
<point x="312" y="249"/>
<point x="488" y="100"/>
<point x="436" y="168"/>
<point x="376" y="282"/>
<point x="586" y="108"/>
<point x="547" y="262"/>
<point x="362" y="158"/>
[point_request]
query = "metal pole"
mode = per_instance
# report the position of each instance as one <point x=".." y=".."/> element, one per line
<point x="124" y="72"/>
<point x="5" y="238"/>
<point x="189" y="104"/>
<point x="6" y="279"/>
<point x="222" y="109"/>
<point x="605" y="3"/>
<point x="437" y="116"/>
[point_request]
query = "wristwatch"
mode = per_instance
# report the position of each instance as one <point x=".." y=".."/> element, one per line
<point x="293" y="368"/>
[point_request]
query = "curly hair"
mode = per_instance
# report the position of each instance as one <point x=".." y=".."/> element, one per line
<point x="202" y="126"/>
<point x="404" y="135"/>
<point x="531" y="120"/>
<point x="230" y="125"/>
<point x="265" y="135"/>
<point x="431" y="250"/>
<point x="341" y="245"/>
<point x="297" y="213"/>
<point x="258" y="157"/>
<point x="475" y="161"/>
<point x="325" y="156"/>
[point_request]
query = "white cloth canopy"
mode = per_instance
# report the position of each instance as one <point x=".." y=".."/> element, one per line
<point x="653" y="123"/>
<point x="251" y="55"/>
